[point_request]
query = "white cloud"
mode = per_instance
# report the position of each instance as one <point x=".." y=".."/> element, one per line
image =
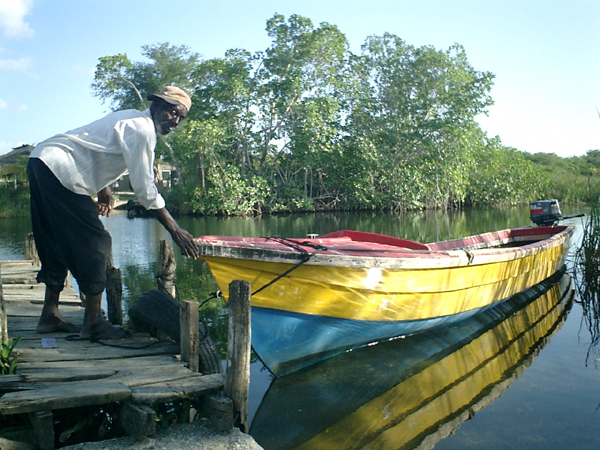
<point x="15" y="65"/>
<point x="12" y="13"/>
<point x="15" y="107"/>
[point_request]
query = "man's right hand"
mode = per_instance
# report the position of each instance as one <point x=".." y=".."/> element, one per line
<point x="186" y="243"/>
<point x="182" y="238"/>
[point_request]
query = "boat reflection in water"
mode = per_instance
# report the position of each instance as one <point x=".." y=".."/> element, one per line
<point x="414" y="391"/>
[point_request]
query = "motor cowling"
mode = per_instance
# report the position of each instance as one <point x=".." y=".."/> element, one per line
<point x="545" y="212"/>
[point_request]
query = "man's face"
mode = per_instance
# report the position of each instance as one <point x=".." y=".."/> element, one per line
<point x="167" y="117"/>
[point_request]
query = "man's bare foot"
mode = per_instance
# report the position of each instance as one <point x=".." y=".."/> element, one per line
<point x="56" y="324"/>
<point x="103" y="330"/>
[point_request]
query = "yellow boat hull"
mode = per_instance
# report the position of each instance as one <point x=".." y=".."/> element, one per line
<point x="386" y="294"/>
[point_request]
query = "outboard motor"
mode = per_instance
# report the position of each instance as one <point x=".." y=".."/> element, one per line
<point x="545" y="212"/>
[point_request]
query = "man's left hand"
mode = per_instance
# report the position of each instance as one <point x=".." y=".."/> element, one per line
<point x="105" y="202"/>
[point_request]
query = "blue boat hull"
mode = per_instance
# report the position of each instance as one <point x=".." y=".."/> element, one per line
<point x="286" y="341"/>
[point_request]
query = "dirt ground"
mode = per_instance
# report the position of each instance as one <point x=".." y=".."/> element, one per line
<point x="197" y="435"/>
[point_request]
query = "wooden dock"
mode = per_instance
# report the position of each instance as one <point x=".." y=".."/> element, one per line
<point x="59" y="371"/>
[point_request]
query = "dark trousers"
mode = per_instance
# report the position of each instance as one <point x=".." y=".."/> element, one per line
<point x="68" y="233"/>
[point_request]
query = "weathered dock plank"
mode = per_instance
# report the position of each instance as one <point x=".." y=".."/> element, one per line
<point x="63" y="395"/>
<point x="29" y="380"/>
<point x="132" y="378"/>
<point x="35" y="294"/>
<point x="178" y="389"/>
<point x="14" y="269"/>
<point x="86" y="350"/>
<point x="135" y="377"/>
<point x="19" y="277"/>
<point x="143" y="362"/>
<point x="29" y="309"/>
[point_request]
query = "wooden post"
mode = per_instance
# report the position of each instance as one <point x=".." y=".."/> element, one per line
<point x="237" y="376"/>
<point x="114" y="296"/>
<point x="31" y="250"/>
<point x="3" y="318"/>
<point x="114" y="292"/>
<point x="138" y="420"/>
<point x="43" y="429"/>
<point x="167" y="266"/>
<point x="218" y="409"/>
<point x="190" y="334"/>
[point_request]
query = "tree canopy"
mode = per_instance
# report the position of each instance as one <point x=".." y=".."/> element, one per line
<point x="307" y="125"/>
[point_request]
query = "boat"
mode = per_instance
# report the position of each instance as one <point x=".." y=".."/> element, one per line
<point x="318" y="296"/>
<point x="412" y="392"/>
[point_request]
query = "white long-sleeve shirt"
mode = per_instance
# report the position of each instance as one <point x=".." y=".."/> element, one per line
<point x="89" y="158"/>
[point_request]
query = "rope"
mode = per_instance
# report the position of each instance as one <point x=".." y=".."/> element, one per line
<point x="165" y="286"/>
<point x="128" y="347"/>
<point x="304" y="255"/>
<point x="216" y="294"/>
<point x="93" y="339"/>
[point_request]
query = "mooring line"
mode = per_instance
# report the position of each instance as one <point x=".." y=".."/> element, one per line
<point x="305" y="255"/>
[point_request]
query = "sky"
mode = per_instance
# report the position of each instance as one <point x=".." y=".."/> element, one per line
<point x="545" y="55"/>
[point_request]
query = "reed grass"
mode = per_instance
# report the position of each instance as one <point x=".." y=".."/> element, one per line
<point x="587" y="275"/>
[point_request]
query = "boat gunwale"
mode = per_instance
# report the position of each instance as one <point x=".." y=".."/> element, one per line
<point x="401" y="258"/>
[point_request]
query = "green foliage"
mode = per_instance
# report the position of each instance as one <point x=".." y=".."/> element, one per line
<point x="307" y="125"/>
<point x="84" y="423"/>
<point x="87" y="424"/>
<point x="14" y="202"/>
<point x="8" y="357"/>
<point x="14" y="174"/>
<point x="230" y="194"/>
<point x="171" y="413"/>
<point x="416" y="110"/>
<point x="574" y="179"/>
<point x="121" y="81"/>
<point x="504" y="176"/>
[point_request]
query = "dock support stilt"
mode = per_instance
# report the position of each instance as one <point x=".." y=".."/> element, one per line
<point x="114" y="293"/>
<point x="167" y="265"/>
<point x="237" y="376"/>
<point x="218" y="409"/>
<point x="190" y="334"/>
<point x="31" y="250"/>
<point x="138" y="420"/>
<point x="3" y="317"/>
<point x="43" y="427"/>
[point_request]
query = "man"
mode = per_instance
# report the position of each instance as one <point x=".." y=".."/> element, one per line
<point x="64" y="171"/>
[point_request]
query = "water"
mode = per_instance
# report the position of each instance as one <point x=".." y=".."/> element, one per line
<point x="549" y="399"/>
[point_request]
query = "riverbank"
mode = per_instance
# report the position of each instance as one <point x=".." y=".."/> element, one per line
<point x="198" y="435"/>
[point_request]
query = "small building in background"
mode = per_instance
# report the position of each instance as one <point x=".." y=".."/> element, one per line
<point x="164" y="178"/>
